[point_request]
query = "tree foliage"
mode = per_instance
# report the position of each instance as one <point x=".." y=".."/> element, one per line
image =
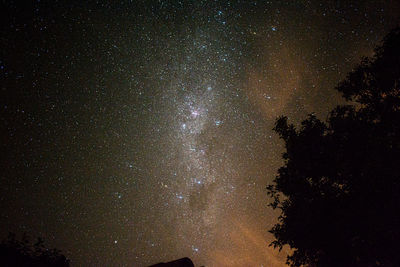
<point x="339" y="189"/>
<point x="21" y="253"/>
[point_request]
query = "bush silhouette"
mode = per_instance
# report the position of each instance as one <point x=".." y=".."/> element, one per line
<point x="22" y="253"/>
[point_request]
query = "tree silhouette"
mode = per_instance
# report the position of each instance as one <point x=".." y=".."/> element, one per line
<point x="339" y="189"/>
<point x="22" y="253"/>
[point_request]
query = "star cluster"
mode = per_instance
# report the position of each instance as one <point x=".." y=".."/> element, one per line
<point x="141" y="131"/>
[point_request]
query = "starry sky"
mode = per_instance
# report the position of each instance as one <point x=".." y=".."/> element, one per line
<point x="141" y="131"/>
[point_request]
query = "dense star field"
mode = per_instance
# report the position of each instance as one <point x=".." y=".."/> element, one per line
<point x="141" y="131"/>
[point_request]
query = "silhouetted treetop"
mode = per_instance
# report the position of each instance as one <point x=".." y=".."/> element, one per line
<point x="339" y="189"/>
<point x="22" y="253"/>
<point x="375" y="82"/>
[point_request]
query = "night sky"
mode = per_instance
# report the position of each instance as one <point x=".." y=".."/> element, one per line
<point x="141" y="131"/>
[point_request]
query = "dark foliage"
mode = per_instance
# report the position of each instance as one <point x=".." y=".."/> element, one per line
<point x="339" y="190"/>
<point x="22" y="253"/>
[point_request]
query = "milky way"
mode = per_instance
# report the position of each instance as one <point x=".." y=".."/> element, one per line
<point x="140" y="132"/>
